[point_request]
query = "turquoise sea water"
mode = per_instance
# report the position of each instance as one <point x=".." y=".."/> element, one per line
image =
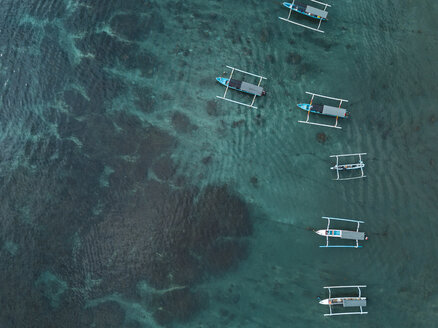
<point x="132" y="197"/>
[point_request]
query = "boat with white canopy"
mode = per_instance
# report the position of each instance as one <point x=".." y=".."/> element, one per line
<point x="354" y="235"/>
<point x="346" y="301"/>
<point x="323" y="109"/>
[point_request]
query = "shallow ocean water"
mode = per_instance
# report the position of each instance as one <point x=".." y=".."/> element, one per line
<point x="109" y="116"/>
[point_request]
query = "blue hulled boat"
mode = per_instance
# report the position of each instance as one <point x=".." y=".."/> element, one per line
<point x="249" y="88"/>
<point x="324" y="110"/>
<point x="306" y="10"/>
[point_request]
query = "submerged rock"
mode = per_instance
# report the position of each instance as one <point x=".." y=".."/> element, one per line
<point x="168" y="237"/>
<point x="321" y="137"/>
<point x="238" y="123"/>
<point x="182" y="124"/>
<point x="254" y="181"/>
<point x="294" y="58"/>
<point x="224" y="255"/>
<point x="212" y="108"/>
<point x="207" y="160"/>
<point x="164" y="168"/>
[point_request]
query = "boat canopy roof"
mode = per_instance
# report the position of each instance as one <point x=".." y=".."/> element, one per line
<point x="316" y="11"/>
<point x="251" y="88"/>
<point x="355" y="235"/>
<point x="334" y="111"/>
<point x="355" y="302"/>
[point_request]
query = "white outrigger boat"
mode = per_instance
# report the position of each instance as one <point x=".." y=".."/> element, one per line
<point x="309" y="11"/>
<point x="252" y="89"/>
<point x="342" y="234"/>
<point x="337" y="112"/>
<point x="346" y="167"/>
<point x="346" y="302"/>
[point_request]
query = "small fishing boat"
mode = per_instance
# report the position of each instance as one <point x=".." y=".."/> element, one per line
<point x="342" y="234"/>
<point x="340" y="300"/>
<point x="345" y="167"/>
<point x="354" y="166"/>
<point x="242" y="86"/>
<point x="307" y="10"/>
<point x="325" y="110"/>
<point x="346" y="302"/>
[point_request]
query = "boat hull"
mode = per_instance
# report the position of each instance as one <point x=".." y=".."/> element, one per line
<point x="345" y="167"/>
<point x="340" y="300"/>
<point x="258" y="91"/>
<point x="324" y="110"/>
<point x="300" y="11"/>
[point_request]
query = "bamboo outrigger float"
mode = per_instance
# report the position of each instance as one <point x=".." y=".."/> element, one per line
<point x="309" y="11"/>
<point x="346" y="302"/>
<point x="320" y="109"/>
<point x="346" y="167"/>
<point x="252" y="89"/>
<point x="342" y="234"/>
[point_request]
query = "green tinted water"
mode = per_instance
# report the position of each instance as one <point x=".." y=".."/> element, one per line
<point x="85" y="170"/>
<point x="383" y="58"/>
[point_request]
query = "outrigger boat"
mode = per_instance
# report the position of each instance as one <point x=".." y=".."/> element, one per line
<point x="309" y="11"/>
<point x="346" y="302"/>
<point x="324" y="110"/>
<point x="346" y="167"/>
<point x="252" y="89"/>
<point x="342" y="234"/>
